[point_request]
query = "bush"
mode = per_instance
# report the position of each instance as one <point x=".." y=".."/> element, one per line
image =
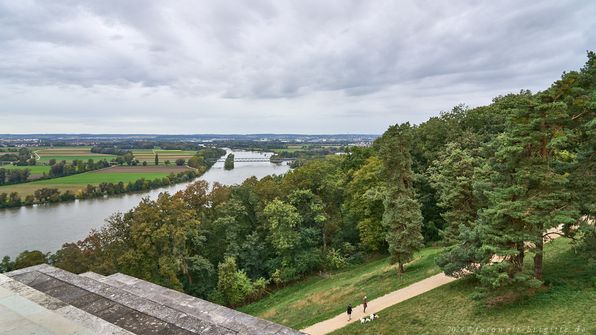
<point x="233" y="285"/>
<point x="334" y="260"/>
<point x="29" y="258"/>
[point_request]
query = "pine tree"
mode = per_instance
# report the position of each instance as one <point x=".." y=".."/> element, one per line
<point x="578" y="91"/>
<point x="402" y="218"/>
<point x="453" y="176"/>
<point x="530" y="195"/>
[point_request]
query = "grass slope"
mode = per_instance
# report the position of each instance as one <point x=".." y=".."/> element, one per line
<point x="567" y="306"/>
<point x="316" y="299"/>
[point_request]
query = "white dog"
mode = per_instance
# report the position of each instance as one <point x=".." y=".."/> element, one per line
<point x="369" y="319"/>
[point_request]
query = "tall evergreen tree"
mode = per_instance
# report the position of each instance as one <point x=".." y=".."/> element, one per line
<point x="453" y="176"/>
<point x="530" y="194"/>
<point x="402" y="218"/>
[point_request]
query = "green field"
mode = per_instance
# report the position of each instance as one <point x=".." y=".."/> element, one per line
<point x="35" y="169"/>
<point x="95" y="157"/>
<point x="76" y="182"/>
<point x="148" y="155"/>
<point x="292" y="148"/>
<point x="97" y="178"/>
<point x="69" y="154"/>
<point x="569" y="301"/>
<point x="317" y="298"/>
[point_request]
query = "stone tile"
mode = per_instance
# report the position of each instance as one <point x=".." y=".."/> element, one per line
<point x="89" y="321"/>
<point x="8" y="318"/>
<point x="25" y="326"/>
<point x="125" y="279"/>
<point x="39" y="267"/>
<point x="135" y="305"/>
<point x="4" y="279"/>
<point x="91" y="302"/>
<point x="44" y="285"/>
<point x="92" y="275"/>
<point x="66" y="293"/>
<point x="21" y="305"/>
<point x="112" y="313"/>
<point x="42" y="299"/>
<point x="140" y="323"/>
<point x="28" y="277"/>
<point x="57" y="324"/>
<point x="174" y="330"/>
<point x="5" y="293"/>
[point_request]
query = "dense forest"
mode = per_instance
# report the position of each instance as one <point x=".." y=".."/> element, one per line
<point x="489" y="183"/>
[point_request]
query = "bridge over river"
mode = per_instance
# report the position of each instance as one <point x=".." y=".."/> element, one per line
<point x="259" y="159"/>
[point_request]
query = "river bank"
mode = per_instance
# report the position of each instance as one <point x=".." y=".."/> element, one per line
<point x="47" y="227"/>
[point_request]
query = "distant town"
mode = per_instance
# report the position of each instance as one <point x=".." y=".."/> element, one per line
<point x="32" y="140"/>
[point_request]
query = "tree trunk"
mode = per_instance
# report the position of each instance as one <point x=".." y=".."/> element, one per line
<point x="519" y="258"/>
<point x="401" y="267"/>
<point x="538" y="259"/>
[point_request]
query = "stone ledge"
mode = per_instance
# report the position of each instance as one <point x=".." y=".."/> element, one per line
<point x="136" y="306"/>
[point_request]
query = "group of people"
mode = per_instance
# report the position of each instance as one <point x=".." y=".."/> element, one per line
<point x="364" y="305"/>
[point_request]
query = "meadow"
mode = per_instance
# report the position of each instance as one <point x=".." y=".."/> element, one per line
<point x="148" y="155"/>
<point x="69" y="154"/>
<point x="565" y="305"/>
<point x="291" y="148"/>
<point x="76" y="182"/>
<point x="35" y="169"/>
<point x="319" y="298"/>
<point x="114" y="174"/>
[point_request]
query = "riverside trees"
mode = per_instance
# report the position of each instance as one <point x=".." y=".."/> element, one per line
<point x="229" y="162"/>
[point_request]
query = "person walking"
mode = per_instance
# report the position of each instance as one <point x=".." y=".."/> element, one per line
<point x="349" y="310"/>
<point x="365" y="303"/>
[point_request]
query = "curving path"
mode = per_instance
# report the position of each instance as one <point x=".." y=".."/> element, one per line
<point x="390" y="299"/>
<point x="374" y="306"/>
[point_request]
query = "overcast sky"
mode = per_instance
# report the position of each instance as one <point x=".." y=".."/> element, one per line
<point x="186" y="67"/>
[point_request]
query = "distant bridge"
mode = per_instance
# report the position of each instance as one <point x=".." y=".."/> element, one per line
<point x="256" y="160"/>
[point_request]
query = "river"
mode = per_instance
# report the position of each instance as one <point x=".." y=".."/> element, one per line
<point x="47" y="227"/>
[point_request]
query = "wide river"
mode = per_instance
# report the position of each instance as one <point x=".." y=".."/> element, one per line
<point x="47" y="227"/>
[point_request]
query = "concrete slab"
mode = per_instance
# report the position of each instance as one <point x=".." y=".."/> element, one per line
<point x="132" y="305"/>
<point x="92" y="275"/>
<point x="19" y="315"/>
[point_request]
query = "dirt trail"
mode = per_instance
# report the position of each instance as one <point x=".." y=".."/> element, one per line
<point x="374" y="306"/>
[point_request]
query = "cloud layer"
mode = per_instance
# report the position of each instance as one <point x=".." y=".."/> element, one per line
<point x="273" y="66"/>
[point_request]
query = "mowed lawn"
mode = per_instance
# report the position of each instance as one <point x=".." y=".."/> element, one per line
<point x="567" y="306"/>
<point x="76" y="182"/>
<point x="316" y="299"/>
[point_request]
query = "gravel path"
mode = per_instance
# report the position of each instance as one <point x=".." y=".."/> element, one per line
<point x="374" y="306"/>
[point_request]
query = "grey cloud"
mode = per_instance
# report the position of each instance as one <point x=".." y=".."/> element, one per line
<point x="323" y="55"/>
